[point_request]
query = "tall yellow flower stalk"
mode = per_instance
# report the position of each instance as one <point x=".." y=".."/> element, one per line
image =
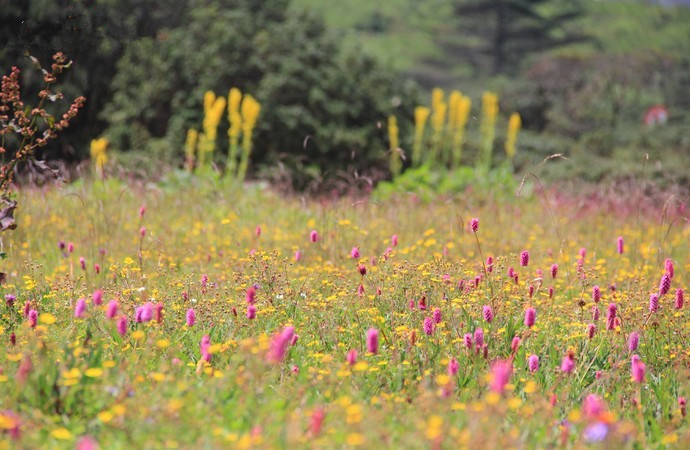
<point x="190" y="149"/>
<point x="250" y="111"/>
<point x="462" y="113"/>
<point x="213" y="111"/>
<point x="421" y="115"/>
<point x="453" y="101"/>
<point x="489" y="113"/>
<point x="235" y="119"/>
<point x="98" y="154"/>
<point x="514" y="124"/>
<point x="439" y="109"/>
<point x="394" y="144"/>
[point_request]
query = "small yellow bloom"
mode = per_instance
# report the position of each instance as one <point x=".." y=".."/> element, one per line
<point x="94" y="372"/>
<point x="47" y="318"/>
<point x="62" y="434"/>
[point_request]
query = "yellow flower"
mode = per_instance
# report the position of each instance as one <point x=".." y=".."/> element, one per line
<point x="354" y="439"/>
<point x="62" y="434"/>
<point x="47" y="318"/>
<point x="94" y="372"/>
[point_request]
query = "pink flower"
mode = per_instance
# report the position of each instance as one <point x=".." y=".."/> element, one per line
<point x="122" y="326"/>
<point x="142" y="211"/>
<point x="488" y="314"/>
<point x="80" y="308"/>
<point x="142" y="232"/>
<point x="111" y="311"/>
<point x="611" y="317"/>
<point x="668" y="266"/>
<point x="314" y="236"/>
<point x="489" y="264"/>
<point x="33" y="318"/>
<point x="638" y="371"/>
<point x="279" y="344"/>
<point x="362" y="269"/>
<point x="436" y="315"/>
<point x="373" y="340"/>
<point x="394" y="240"/>
<point x="591" y="330"/>
<point x="679" y="299"/>
<point x="653" y="303"/>
<point x="620" y="245"/>
<point x="97" y="268"/>
<point x="524" y="258"/>
<point x="596" y="294"/>
<point x="250" y="296"/>
<point x="97" y="297"/>
<point x="593" y="406"/>
<point x="530" y="317"/>
<point x="158" y="312"/>
<point x="70" y="247"/>
<point x="474" y="225"/>
<point x="257" y="231"/>
<point x="204" y="345"/>
<point x="354" y="253"/>
<point x="428" y="326"/>
<point x="664" y="284"/>
<point x="468" y="340"/>
<point x="479" y="337"/>
<point x="515" y="344"/>
<point x="500" y="375"/>
<point x="633" y="341"/>
<point x="191" y="317"/>
<point x="251" y="312"/>
<point x="533" y="363"/>
<point x="298" y="255"/>
<point x="351" y="357"/>
<point x="82" y="263"/>
<point x="86" y="443"/>
<point x="453" y="367"/>
<point x="568" y="363"/>
<point x="595" y="313"/>
<point x="316" y="421"/>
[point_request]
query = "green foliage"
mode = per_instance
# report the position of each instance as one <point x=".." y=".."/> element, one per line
<point x="318" y="103"/>
<point x="428" y="183"/>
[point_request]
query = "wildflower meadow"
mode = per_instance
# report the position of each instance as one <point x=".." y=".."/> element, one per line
<point x="302" y="224"/>
<point x="204" y="319"/>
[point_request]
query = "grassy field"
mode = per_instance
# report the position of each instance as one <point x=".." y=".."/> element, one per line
<point x="204" y="317"/>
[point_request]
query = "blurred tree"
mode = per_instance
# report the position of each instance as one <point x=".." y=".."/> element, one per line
<point x="497" y="36"/>
<point x="308" y="87"/>
<point x="94" y="34"/>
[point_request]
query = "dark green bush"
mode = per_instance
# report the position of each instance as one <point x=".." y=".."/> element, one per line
<point x="320" y="105"/>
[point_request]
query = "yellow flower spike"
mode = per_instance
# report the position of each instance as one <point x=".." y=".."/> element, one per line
<point x="421" y="115"/>
<point x="514" y="124"/>
<point x="394" y="144"/>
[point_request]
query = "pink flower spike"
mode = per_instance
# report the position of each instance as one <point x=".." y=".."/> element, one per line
<point x="111" y="311"/>
<point x="80" y="308"/>
<point x="500" y="375"/>
<point x="191" y="317"/>
<point x="474" y="225"/>
<point x="97" y="297"/>
<point x="351" y="357"/>
<point x="314" y="236"/>
<point x="530" y="317"/>
<point x="373" y="340"/>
